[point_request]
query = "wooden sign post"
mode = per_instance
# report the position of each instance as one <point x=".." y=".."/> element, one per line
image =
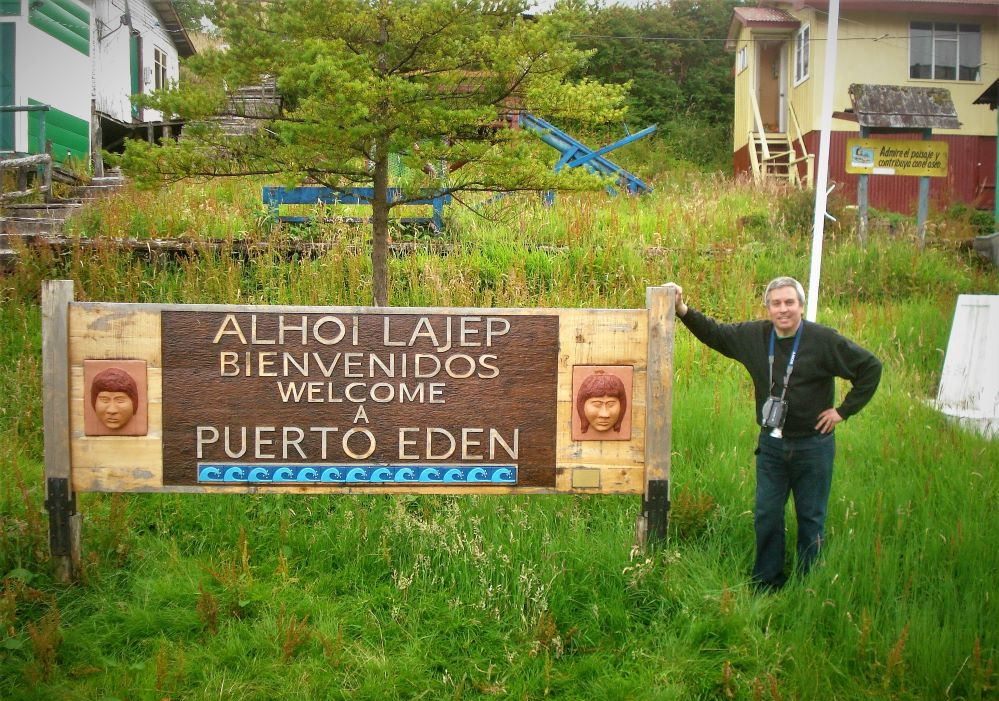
<point x="654" y="517"/>
<point x="60" y="499"/>
<point x="897" y="109"/>
<point x="224" y="399"/>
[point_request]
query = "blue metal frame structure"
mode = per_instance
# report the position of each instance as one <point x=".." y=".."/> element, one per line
<point x="274" y="197"/>
<point x="574" y="154"/>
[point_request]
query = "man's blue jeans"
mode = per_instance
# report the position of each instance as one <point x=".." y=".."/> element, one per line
<point x="801" y="467"/>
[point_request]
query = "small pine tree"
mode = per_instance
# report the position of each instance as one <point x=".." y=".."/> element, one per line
<point x="434" y="80"/>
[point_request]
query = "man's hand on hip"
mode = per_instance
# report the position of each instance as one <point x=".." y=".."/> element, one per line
<point x="828" y="420"/>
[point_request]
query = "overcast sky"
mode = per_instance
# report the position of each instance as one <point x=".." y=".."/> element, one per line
<point x="543" y="5"/>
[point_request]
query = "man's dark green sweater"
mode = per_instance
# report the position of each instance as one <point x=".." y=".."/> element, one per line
<point x="823" y="355"/>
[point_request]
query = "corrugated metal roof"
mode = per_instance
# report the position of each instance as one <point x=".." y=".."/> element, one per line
<point x="990" y="97"/>
<point x="766" y="15"/>
<point x="757" y="17"/>
<point x="901" y="107"/>
<point x="171" y="22"/>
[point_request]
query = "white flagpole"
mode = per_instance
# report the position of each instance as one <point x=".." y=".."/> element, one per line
<point x="822" y="176"/>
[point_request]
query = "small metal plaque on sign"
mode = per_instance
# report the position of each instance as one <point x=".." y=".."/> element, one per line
<point x="331" y="397"/>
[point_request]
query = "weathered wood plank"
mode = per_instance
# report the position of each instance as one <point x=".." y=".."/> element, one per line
<point x="125" y="479"/>
<point x="113" y="331"/>
<point x="651" y="527"/>
<point x="614" y="479"/>
<point x="612" y="337"/>
<point x="620" y="453"/>
<point x="102" y="452"/>
<point x="56" y="298"/>
<point x="659" y="384"/>
<point x="602" y="337"/>
<point x="23" y="161"/>
<point x="129" y="478"/>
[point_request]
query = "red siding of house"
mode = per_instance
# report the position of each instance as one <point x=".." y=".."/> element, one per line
<point x="972" y="176"/>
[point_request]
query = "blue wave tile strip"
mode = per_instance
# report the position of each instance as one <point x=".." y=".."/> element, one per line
<point x="229" y="473"/>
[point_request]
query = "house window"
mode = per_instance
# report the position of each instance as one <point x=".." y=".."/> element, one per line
<point x="801" y="46"/>
<point x="742" y="60"/>
<point x="945" y="51"/>
<point x="159" y="69"/>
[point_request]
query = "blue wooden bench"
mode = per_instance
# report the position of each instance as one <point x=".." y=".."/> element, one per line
<point x="274" y="197"/>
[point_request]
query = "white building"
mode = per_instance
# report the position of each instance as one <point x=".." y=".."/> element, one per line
<point x="85" y="58"/>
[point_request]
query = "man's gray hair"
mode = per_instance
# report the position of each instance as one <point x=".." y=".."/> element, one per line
<point x="779" y="282"/>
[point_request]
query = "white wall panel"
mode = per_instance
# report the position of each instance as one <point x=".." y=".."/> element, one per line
<point x="969" y="385"/>
<point x="48" y="71"/>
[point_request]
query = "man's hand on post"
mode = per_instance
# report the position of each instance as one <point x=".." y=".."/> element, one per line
<point x="678" y="305"/>
<point x="828" y="420"/>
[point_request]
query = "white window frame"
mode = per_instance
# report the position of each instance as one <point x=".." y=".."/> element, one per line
<point x="742" y="59"/>
<point x="802" y="48"/>
<point x="936" y="41"/>
<point x="160" y="72"/>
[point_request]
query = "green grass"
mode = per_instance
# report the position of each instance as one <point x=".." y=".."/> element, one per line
<point x="376" y="597"/>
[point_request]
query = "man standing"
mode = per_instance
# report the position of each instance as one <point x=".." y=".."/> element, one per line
<point x="793" y="364"/>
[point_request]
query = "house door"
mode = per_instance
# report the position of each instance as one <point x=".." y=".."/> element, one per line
<point x="770" y="81"/>
<point x="7" y="85"/>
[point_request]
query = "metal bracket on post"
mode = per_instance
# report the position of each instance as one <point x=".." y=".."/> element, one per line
<point x="655" y="511"/>
<point x="61" y="505"/>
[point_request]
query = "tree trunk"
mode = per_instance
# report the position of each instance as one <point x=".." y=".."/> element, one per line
<point x="379" y="202"/>
<point x="379" y="228"/>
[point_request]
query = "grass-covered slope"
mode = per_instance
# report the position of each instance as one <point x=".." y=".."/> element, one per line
<point x="299" y="597"/>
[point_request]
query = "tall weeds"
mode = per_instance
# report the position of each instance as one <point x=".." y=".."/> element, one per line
<point x="519" y="597"/>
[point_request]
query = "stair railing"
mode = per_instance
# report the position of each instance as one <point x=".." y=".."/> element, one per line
<point x="807" y="157"/>
<point x="759" y="126"/>
<point x="754" y="160"/>
<point x="24" y="165"/>
<point x="40" y="163"/>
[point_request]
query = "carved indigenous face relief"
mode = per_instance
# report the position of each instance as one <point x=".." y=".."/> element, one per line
<point x="601" y="402"/>
<point x="116" y="398"/>
<point x="603" y="412"/>
<point x="114" y="409"/>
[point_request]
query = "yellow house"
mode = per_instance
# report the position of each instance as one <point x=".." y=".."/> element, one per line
<point x="780" y="50"/>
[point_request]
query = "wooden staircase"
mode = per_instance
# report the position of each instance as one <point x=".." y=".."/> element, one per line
<point x="775" y="158"/>
<point x="26" y="223"/>
<point x="250" y="108"/>
<point x="779" y="157"/>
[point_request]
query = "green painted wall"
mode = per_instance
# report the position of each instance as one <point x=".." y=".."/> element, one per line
<point x="6" y="85"/>
<point x="66" y="132"/>
<point x="64" y="20"/>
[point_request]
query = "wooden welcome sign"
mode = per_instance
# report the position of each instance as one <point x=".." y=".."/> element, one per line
<point x="223" y="399"/>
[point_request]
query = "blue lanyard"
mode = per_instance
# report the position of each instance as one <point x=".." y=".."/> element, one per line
<point x="790" y="362"/>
